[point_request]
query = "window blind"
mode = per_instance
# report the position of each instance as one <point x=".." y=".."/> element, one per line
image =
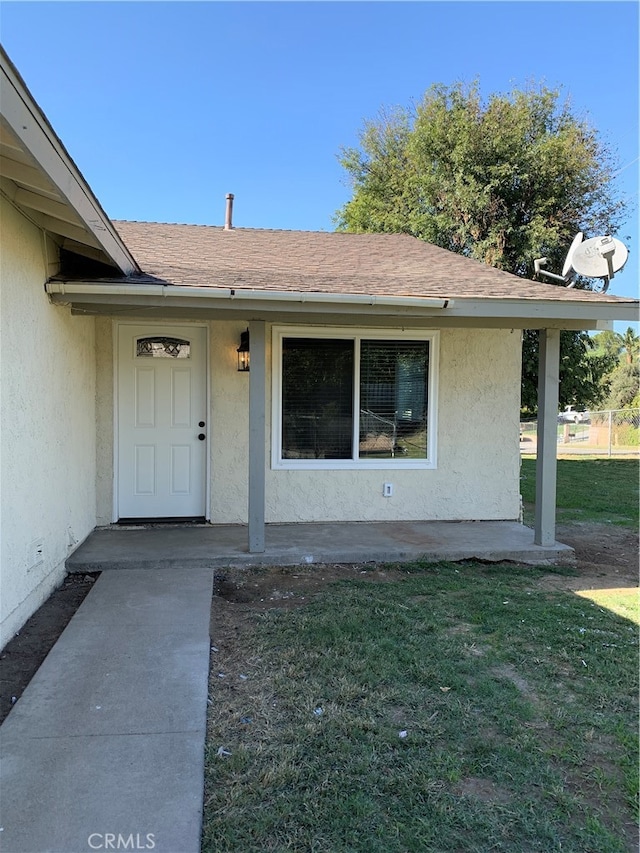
<point x="393" y="398"/>
<point x="317" y="398"/>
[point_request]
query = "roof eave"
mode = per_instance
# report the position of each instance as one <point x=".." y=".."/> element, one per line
<point x="37" y="137"/>
<point x="496" y="312"/>
<point x="547" y="309"/>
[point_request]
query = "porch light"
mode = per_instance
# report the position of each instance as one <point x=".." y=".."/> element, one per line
<point x="243" y="352"/>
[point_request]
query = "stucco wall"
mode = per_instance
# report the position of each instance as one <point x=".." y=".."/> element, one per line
<point x="104" y="420"/>
<point x="478" y="459"/>
<point x="229" y="426"/>
<point x="47" y="416"/>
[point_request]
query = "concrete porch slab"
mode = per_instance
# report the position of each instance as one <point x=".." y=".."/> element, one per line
<point x="210" y="546"/>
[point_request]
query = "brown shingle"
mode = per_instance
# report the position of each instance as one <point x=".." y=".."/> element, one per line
<point x="326" y="262"/>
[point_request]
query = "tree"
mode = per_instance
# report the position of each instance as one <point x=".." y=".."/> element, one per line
<point x="629" y="345"/>
<point x="582" y="379"/>
<point x="608" y="343"/>
<point x="621" y="383"/>
<point x="624" y="390"/>
<point x="502" y="181"/>
<point x="618" y="347"/>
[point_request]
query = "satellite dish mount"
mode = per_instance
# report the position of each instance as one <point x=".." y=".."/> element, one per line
<point x="599" y="257"/>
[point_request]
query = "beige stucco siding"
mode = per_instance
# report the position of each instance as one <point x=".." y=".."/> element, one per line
<point x="104" y="420"/>
<point x="47" y="416"/>
<point x="477" y="464"/>
<point x="478" y="460"/>
<point x="476" y="475"/>
<point x="229" y="426"/>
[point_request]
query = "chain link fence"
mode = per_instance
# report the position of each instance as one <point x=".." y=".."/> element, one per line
<point x="608" y="433"/>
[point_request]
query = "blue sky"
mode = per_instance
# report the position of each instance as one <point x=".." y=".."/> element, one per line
<point x="167" y="106"/>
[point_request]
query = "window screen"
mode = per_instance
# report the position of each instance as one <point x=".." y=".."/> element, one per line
<point x="393" y="399"/>
<point x="317" y="398"/>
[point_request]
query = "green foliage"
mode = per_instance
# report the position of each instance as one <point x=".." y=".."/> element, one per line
<point x="502" y="181"/>
<point x="629" y="345"/>
<point x="607" y="343"/>
<point x="625" y="386"/>
<point x="621" y="383"/>
<point x="583" y="371"/>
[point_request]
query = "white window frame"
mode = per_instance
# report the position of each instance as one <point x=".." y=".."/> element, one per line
<point x="353" y="334"/>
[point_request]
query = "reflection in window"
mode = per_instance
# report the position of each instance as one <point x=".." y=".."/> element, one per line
<point x="317" y="398"/>
<point x="163" y="348"/>
<point x="393" y="399"/>
<point x="334" y="390"/>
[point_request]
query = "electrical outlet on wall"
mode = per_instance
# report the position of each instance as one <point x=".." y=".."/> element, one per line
<point x="387" y="490"/>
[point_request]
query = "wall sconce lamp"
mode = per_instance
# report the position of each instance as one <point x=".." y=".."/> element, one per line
<point x="243" y="352"/>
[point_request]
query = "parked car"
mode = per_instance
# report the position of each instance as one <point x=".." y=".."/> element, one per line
<point x="572" y="415"/>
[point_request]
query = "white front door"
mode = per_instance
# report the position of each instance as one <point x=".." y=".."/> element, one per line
<point x="162" y="421"/>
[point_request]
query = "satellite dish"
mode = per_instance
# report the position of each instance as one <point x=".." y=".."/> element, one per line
<point x="568" y="263"/>
<point x="599" y="257"/>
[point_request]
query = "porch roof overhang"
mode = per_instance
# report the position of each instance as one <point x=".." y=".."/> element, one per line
<point x="160" y="299"/>
<point x="38" y="177"/>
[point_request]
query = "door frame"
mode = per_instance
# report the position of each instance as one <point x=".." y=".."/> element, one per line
<point x="165" y="325"/>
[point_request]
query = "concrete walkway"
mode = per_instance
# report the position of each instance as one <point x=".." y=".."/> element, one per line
<point x="105" y="748"/>
<point x="178" y="548"/>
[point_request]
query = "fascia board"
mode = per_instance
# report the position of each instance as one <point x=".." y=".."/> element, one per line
<point x="549" y="309"/>
<point x="31" y="127"/>
<point x="523" y="314"/>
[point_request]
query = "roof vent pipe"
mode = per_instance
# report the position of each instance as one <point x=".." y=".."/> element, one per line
<point x="228" y="223"/>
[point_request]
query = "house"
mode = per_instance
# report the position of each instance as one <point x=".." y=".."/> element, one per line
<point x="384" y="379"/>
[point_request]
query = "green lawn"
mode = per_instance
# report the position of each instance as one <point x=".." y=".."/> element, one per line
<point x="456" y="707"/>
<point x="599" y="490"/>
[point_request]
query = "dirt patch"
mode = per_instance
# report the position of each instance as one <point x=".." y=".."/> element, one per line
<point x="481" y="789"/>
<point x="289" y="586"/>
<point x="510" y="673"/>
<point x="606" y="557"/>
<point x="23" y="655"/>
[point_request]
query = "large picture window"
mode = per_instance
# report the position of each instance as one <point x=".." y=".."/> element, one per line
<point x="348" y="400"/>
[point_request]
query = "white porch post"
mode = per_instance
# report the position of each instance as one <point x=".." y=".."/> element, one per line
<point x="546" y="461"/>
<point x="257" y="461"/>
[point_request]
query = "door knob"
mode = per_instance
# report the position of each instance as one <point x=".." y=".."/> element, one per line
<point x="202" y="436"/>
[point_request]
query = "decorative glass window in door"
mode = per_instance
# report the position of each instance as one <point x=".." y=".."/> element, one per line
<point x="161" y="347"/>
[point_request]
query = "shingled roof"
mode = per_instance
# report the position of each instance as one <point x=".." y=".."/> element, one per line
<point x="325" y="262"/>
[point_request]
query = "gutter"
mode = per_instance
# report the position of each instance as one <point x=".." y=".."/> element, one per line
<point x="492" y="312"/>
<point x="231" y="294"/>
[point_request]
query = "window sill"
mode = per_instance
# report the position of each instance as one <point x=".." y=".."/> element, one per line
<point x="353" y="465"/>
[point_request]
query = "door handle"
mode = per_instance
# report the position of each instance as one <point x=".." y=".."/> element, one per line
<point x="201" y="436"/>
